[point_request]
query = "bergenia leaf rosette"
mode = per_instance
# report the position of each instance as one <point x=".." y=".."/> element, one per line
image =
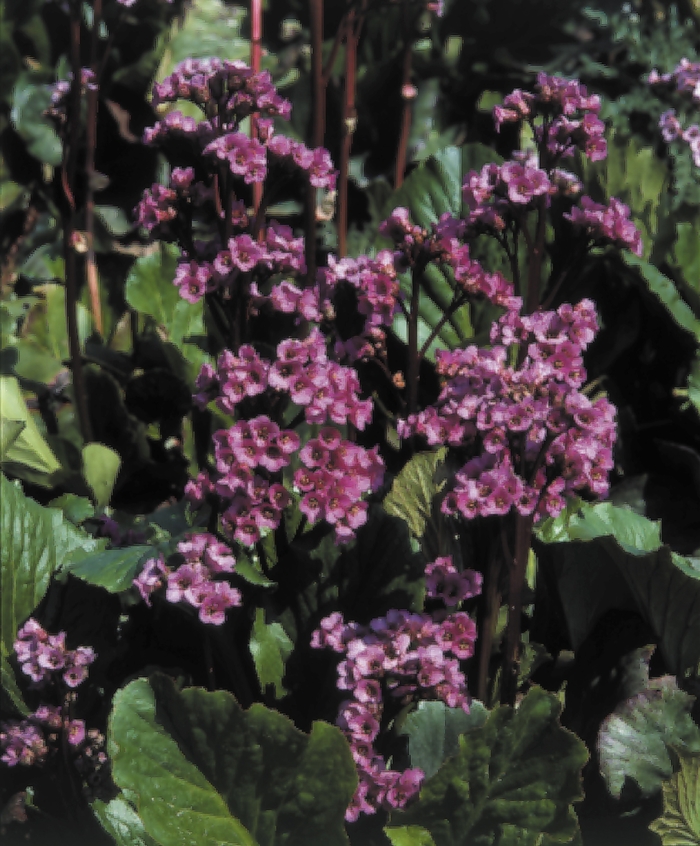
<point x="684" y="82"/>
<point x="394" y="661"/>
<point x="535" y="438"/>
<point x="208" y="192"/>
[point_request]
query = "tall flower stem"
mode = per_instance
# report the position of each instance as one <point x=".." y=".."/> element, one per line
<point x="516" y="582"/>
<point x="405" y="131"/>
<point x="318" y="127"/>
<point x="413" y="351"/>
<point x="69" y="167"/>
<point x="349" y="119"/>
<point x="488" y="617"/>
<point x="93" y="90"/>
<point x="255" y="59"/>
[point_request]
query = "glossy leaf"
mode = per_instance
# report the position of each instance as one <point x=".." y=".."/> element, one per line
<point x="204" y="771"/>
<point x="666" y="292"/>
<point x="433" y="731"/>
<point x="10" y="695"/>
<point x="112" y="569"/>
<point x="679" y="825"/>
<point x="635" y="740"/>
<point x="21" y="442"/>
<point x="100" y="468"/>
<point x="77" y="509"/>
<point x="409" y="835"/>
<point x="622" y="565"/>
<point x="270" y="648"/>
<point x="686" y="252"/>
<point x="512" y="781"/>
<point x="120" y="820"/>
<point x="31" y="98"/>
<point x="35" y="542"/>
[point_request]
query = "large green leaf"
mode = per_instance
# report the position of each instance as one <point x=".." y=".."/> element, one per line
<point x="679" y="824"/>
<point x="270" y="647"/>
<point x="120" y="820"/>
<point x="21" y="442"/>
<point x="686" y="252"/>
<point x="512" y="781"/>
<point x="409" y="835"/>
<point x="634" y="740"/>
<point x="112" y="569"/>
<point x="433" y="732"/>
<point x="666" y="292"/>
<point x="35" y="542"/>
<point x="205" y="772"/>
<point x="616" y="561"/>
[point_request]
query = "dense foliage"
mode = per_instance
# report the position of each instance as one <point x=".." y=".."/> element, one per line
<point x="350" y="430"/>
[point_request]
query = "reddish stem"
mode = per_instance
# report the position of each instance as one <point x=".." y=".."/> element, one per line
<point x="70" y="159"/>
<point x="91" y="144"/>
<point x="255" y="58"/>
<point x="318" y="128"/>
<point x="402" y="151"/>
<point x="516" y="582"/>
<point x="349" y="119"/>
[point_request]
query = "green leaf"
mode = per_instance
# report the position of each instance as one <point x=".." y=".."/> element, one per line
<point x="10" y="695"/>
<point x="410" y="835"/>
<point x="411" y="498"/>
<point x="679" y="825"/>
<point x="112" y="569"/>
<point x="623" y="566"/>
<point x="35" y="542"/>
<point x="149" y="285"/>
<point x="512" y="781"/>
<point x="270" y="648"/>
<point x="686" y="252"/>
<point x="114" y="220"/>
<point x="120" y="820"/>
<point x="30" y="101"/>
<point x="205" y="772"/>
<point x="634" y="741"/>
<point x="633" y="532"/>
<point x="100" y="468"/>
<point x="75" y="508"/>
<point x="666" y="292"/>
<point x="433" y="730"/>
<point x="21" y="443"/>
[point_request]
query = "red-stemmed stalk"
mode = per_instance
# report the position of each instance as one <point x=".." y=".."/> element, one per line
<point x="407" y="97"/>
<point x="353" y="25"/>
<point x="255" y="58"/>
<point x="68" y="171"/>
<point x="318" y="100"/>
<point x="516" y="583"/>
<point x="93" y="91"/>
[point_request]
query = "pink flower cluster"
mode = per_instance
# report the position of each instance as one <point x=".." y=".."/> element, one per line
<point x="60" y="92"/>
<point x="279" y="253"/>
<point x="44" y="657"/>
<point x="228" y="92"/>
<point x="192" y="582"/>
<point x="30" y="741"/>
<point x="335" y="476"/>
<point x="606" y="224"/>
<point x="535" y="437"/>
<point x="685" y="80"/>
<point x="232" y="86"/>
<point x="568" y="117"/>
<point x="409" y="657"/>
<point x="378" y="294"/>
<point x="498" y="194"/>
